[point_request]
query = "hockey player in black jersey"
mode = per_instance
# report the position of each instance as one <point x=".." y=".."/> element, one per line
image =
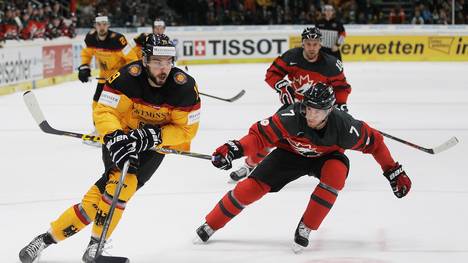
<point x="310" y="139"/>
<point x="333" y="32"/>
<point x="294" y="71"/>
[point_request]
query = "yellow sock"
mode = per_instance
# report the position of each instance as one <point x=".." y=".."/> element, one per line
<point x="129" y="188"/>
<point x="76" y="217"/>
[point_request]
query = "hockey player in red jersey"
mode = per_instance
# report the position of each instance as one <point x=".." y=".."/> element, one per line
<point x="303" y="66"/>
<point x="310" y="139"/>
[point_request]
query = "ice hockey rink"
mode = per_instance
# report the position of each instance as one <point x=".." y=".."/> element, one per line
<point x="425" y="103"/>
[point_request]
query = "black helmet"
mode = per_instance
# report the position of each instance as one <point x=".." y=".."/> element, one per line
<point x="311" y="33"/>
<point x="153" y="41"/>
<point x="319" y="96"/>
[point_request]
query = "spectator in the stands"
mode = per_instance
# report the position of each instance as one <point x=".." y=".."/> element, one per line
<point x="417" y="18"/>
<point x="397" y="15"/>
<point x="9" y="25"/>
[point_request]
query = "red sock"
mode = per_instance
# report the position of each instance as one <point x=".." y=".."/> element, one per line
<point x="332" y="179"/>
<point x="232" y="203"/>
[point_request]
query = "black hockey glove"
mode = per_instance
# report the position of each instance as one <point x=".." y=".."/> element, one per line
<point x="146" y="137"/>
<point x="122" y="148"/>
<point x="223" y="155"/>
<point x="84" y="72"/>
<point x="286" y="91"/>
<point x="399" y="181"/>
<point x="342" y="107"/>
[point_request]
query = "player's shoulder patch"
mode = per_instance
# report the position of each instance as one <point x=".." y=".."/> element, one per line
<point x="134" y="70"/>
<point x="180" y="78"/>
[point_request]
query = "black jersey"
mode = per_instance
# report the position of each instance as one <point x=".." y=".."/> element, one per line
<point x="327" y="69"/>
<point x="333" y="32"/>
<point x="288" y="129"/>
<point x="128" y="101"/>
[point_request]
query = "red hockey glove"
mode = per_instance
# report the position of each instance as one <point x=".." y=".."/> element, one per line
<point x="285" y="91"/>
<point x="223" y="156"/>
<point x="399" y="181"/>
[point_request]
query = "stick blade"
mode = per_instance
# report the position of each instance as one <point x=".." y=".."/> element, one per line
<point x="446" y="145"/>
<point x="238" y="96"/>
<point x="33" y="106"/>
<point x="109" y="259"/>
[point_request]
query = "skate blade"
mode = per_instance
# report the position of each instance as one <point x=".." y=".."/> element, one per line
<point x="297" y="249"/>
<point x="109" y="259"/>
<point x="197" y="241"/>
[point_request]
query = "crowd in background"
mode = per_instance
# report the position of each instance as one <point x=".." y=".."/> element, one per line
<point x="271" y="12"/>
<point x="26" y="19"/>
<point x="32" y="19"/>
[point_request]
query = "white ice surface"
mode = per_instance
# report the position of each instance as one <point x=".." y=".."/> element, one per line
<point x="426" y="103"/>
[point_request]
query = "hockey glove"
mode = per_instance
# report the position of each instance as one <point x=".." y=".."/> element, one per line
<point x="84" y="72"/>
<point x="122" y="148"/>
<point x="223" y="156"/>
<point x="286" y="91"/>
<point x="399" y="181"/>
<point x="342" y="107"/>
<point x="146" y="137"/>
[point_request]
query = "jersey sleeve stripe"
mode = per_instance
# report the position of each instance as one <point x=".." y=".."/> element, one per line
<point x="275" y="129"/>
<point x="110" y="89"/>
<point x="362" y="140"/>
<point x="275" y="73"/>
<point x="285" y="72"/>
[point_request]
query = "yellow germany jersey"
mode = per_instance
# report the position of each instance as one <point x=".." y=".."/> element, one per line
<point x="139" y="41"/>
<point x="111" y="53"/>
<point x="128" y="102"/>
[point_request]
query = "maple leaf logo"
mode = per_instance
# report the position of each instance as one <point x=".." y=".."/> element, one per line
<point x="304" y="149"/>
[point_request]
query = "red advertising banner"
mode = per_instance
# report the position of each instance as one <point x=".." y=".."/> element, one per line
<point x="58" y="60"/>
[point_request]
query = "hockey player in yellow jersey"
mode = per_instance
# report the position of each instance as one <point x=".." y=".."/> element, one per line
<point x="145" y="104"/>
<point x="159" y="27"/>
<point x="110" y="50"/>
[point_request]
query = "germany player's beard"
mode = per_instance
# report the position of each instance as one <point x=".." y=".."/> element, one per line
<point x="102" y="33"/>
<point x="159" y="79"/>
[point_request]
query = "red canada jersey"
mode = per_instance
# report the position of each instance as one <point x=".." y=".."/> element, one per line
<point x="327" y="69"/>
<point x="288" y="130"/>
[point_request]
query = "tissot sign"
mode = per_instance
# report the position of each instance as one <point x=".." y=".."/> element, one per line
<point x="232" y="47"/>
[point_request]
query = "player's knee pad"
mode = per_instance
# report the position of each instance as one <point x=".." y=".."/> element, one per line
<point x="333" y="174"/>
<point x="128" y="189"/>
<point x="250" y="190"/>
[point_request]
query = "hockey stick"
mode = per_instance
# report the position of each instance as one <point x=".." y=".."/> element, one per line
<point x="236" y="97"/>
<point x="443" y="147"/>
<point x="99" y="258"/>
<point x="232" y="99"/>
<point x="36" y="112"/>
